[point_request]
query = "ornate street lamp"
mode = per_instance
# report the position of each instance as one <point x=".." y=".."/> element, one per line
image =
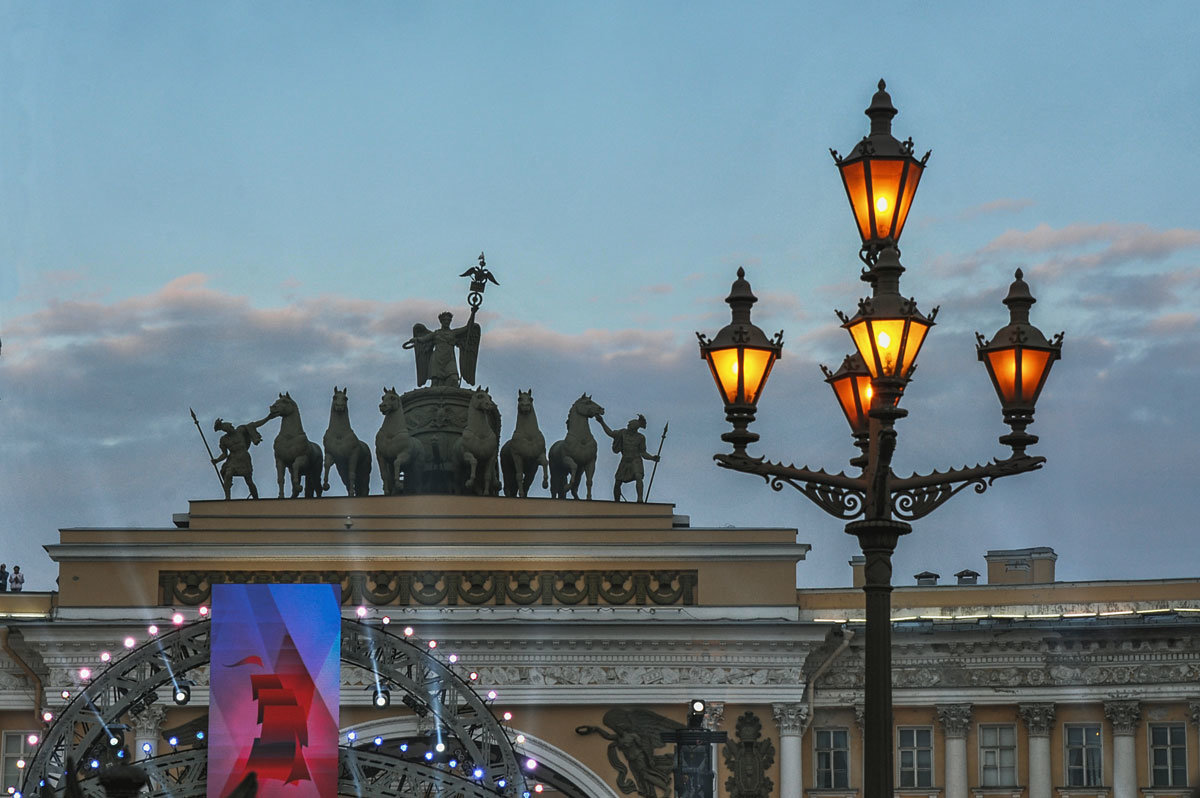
<point x="1018" y="359"/>
<point x="888" y="330"/>
<point x="740" y="357"/>
<point x="881" y="176"/>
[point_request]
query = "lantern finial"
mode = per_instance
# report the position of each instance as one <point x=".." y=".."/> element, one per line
<point x="881" y="111"/>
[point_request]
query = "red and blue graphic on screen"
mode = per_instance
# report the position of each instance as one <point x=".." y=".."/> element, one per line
<point x="273" y="705"/>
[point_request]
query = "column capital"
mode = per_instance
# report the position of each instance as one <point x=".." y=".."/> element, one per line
<point x="792" y="719"/>
<point x="1124" y="715"/>
<point x="1194" y="711"/>
<point x="955" y="719"/>
<point x="148" y="723"/>
<point x="1039" y="718"/>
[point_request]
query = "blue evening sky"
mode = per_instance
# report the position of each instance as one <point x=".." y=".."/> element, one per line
<point x="202" y="204"/>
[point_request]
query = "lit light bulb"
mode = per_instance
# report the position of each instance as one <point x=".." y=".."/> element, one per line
<point x="32" y="739"/>
<point x="378" y="741"/>
<point x="884" y="340"/>
<point x="453" y="763"/>
<point x="177" y="619"/>
<point x="520" y="739"/>
<point x="66" y="694"/>
<point x="152" y="629"/>
<point x="507" y="716"/>
<point x="433" y="644"/>
<point x="870" y="392"/>
<point x="408" y="631"/>
<point x="473" y="676"/>
<point x="351" y="736"/>
<point x="85" y="673"/>
<point x="492" y="695"/>
<point x="453" y="658"/>
<point x="881" y="204"/>
<point x="130" y="642"/>
<point x="47" y="716"/>
<point x="203" y="611"/>
<point x="440" y="747"/>
<point x="530" y="763"/>
<point x="538" y="788"/>
<point x="385" y="620"/>
<point x="105" y="656"/>
<point x="21" y="764"/>
<point x="147" y="747"/>
<point x="173" y="741"/>
<point x="361" y="612"/>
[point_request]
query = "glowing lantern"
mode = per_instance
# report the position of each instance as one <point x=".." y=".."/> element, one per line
<point x="1018" y="359"/>
<point x="888" y="330"/>
<point x="881" y="177"/>
<point x="740" y="358"/>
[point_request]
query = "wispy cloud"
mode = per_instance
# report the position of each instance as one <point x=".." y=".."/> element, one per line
<point x="995" y="207"/>
<point x="1110" y="243"/>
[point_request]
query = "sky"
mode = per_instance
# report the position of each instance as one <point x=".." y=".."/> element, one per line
<point x="204" y="204"/>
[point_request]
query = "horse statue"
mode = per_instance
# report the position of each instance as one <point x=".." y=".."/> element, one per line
<point x="525" y="451"/>
<point x="575" y="455"/>
<point x="343" y="449"/>
<point x="397" y="451"/>
<point x="476" y="450"/>
<point x="294" y="452"/>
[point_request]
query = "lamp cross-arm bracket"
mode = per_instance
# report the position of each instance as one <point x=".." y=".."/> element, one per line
<point x="839" y="495"/>
<point x="919" y="495"/>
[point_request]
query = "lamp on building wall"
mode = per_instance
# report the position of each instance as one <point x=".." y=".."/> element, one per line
<point x="880" y="177"/>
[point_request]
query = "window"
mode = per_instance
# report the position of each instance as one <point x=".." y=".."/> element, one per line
<point x="833" y="758"/>
<point x="998" y="756"/>
<point x="1168" y="755"/>
<point x="1083" y="755"/>
<point x="915" y="756"/>
<point x="16" y="749"/>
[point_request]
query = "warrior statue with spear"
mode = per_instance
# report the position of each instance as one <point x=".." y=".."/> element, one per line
<point x="235" y="446"/>
<point x="630" y="443"/>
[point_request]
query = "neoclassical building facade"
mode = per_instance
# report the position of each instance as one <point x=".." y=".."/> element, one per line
<point x="590" y="626"/>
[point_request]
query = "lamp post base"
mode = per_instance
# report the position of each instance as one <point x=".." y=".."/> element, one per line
<point x="878" y="539"/>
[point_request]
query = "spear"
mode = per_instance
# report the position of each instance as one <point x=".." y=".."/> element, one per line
<point x="196" y="421"/>
<point x="654" y="470"/>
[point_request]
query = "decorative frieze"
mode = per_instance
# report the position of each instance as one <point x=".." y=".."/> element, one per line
<point x="792" y="719"/>
<point x="1124" y="715"/>
<point x="434" y="588"/>
<point x="955" y="719"/>
<point x="1039" y="718"/>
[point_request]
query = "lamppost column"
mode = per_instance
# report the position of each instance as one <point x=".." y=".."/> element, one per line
<point x="1039" y="719"/>
<point x="1124" y="716"/>
<point x="878" y="540"/>
<point x="792" y="720"/>
<point x="956" y="722"/>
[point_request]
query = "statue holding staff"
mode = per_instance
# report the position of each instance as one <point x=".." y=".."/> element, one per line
<point x="631" y="445"/>
<point x="235" y="453"/>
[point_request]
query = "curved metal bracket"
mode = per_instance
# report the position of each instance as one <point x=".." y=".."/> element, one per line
<point x="840" y="495"/>
<point x="919" y="495"/>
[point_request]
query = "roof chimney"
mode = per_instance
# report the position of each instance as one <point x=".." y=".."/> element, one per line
<point x="858" y="565"/>
<point x="968" y="577"/>
<point x="926" y="578"/>
<point x="1032" y="566"/>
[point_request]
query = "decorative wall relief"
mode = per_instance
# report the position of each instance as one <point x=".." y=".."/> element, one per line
<point x="634" y="736"/>
<point x="748" y="760"/>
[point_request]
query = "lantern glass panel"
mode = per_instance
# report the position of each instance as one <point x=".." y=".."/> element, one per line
<point x="885" y="193"/>
<point x="724" y="365"/>
<point x="756" y="364"/>
<point x="1004" y="371"/>
<point x="1034" y="363"/>
<point x="855" y="177"/>
<point x="916" y="336"/>
<point x="910" y="188"/>
<point x="854" y="395"/>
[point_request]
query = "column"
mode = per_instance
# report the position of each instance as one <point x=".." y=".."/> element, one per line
<point x="792" y="720"/>
<point x="1039" y="720"/>
<point x="147" y="727"/>
<point x="714" y="713"/>
<point x="1124" y="716"/>
<point x="956" y="722"/>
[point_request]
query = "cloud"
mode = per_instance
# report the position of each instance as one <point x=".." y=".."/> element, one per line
<point x="94" y="401"/>
<point x="1113" y="243"/>
<point x="998" y="206"/>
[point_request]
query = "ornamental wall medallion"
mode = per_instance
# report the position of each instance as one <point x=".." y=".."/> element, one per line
<point x="748" y="760"/>
<point x="635" y="736"/>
